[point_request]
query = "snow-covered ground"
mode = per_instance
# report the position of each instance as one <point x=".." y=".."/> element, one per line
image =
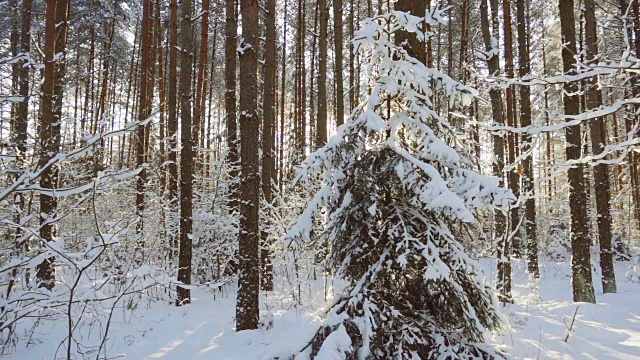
<point x="204" y="329"/>
<point x="609" y="329"/>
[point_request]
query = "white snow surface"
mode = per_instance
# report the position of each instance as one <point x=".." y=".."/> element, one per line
<point x="205" y="329"/>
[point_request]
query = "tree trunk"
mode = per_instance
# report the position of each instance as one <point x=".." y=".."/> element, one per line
<point x="338" y="27"/>
<point x="581" y="260"/>
<point x="172" y="121"/>
<point x="201" y="88"/>
<point x="56" y="26"/>
<point x="269" y="115"/>
<point x="321" y="127"/>
<point x="247" y="308"/>
<point x="527" y="163"/>
<point x="20" y="125"/>
<point x="511" y="121"/>
<point x="504" y="261"/>
<point x="230" y="45"/>
<point x="186" y="154"/>
<point x="162" y="99"/>
<point x="144" y="109"/>
<point x="282" y="98"/>
<point x="102" y="101"/>
<point x="601" y="181"/>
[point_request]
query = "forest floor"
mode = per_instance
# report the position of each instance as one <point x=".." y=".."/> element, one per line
<point x="204" y="329"/>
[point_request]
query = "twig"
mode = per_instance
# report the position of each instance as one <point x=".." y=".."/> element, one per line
<point x="572" y="322"/>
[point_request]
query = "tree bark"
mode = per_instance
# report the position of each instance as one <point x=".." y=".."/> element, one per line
<point x="601" y="179"/>
<point x="581" y="260"/>
<point x="230" y="45"/>
<point x="247" y="308"/>
<point x="527" y="162"/>
<point x="282" y="98"/>
<point x="321" y="127"/>
<point x="268" y="146"/>
<point x="186" y="154"/>
<point x="503" y="251"/>
<point x="338" y="24"/>
<point x="511" y="121"/>
<point x="56" y="27"/>
<point x="144" y="109"/>
<point x="201" y="88"/>
<point x="172" y="120"/>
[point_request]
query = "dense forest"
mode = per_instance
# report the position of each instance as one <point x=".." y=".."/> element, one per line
<point x="346" y="179"/>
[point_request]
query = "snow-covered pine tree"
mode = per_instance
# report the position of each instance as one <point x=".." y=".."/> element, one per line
<point x="394" y="187"/>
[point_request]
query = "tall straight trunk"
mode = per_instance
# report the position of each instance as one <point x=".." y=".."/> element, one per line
<point x="21" y="121"/>
<point x="186" y="155"/>
<point x="230" y="45"/>
<point x="312" y="104"/>
<point x="144" y="109"/>
<point x="493" y="63"/>
<point x="511" y="138"/>
<point x="634" y="158"/>
<point x="161" y="96"/>
<point x="464" y="39"/>
<point x="247" y="308"/>
<point x="207" y="143"/>
<point x="56" y="26"/>
<point x="321" y="127"/>
<point x="130" y="82"/>
<point x="201" y="88"/>
<point x="283" y="80"/>
<point x="14" y="38"/>
<point x="172" y="121"/>
<point x="20" y="125"/>
<point x="352" y="86"/>
<point x="296" y="85"/>
<point x="268" y="145"/>
<point x="148" y="148"/>
<point x="102" y="101"/>
<point x="338" y="27"/>
<point x="303" y="84"/>
<point x="601" y="171"/>
<point x="527" y="162"/>
<point x="581" y="260"/>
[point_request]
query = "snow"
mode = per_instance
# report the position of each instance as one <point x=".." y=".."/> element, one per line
<point x="204" y="329"/>
<point x="609" y="329"/>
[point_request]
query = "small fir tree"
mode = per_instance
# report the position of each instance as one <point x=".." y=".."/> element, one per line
<point x="394" y="188"/>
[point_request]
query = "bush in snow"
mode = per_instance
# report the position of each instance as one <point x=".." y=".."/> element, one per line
<point x="394" y="184"/>
<point x="558" y="247"/>
<point x="633" y="274"/>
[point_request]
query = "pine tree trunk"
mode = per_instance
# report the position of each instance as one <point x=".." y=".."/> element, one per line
<point x="601" y="179"/>
<point x="172" y="121"/>
<point x="504" y="261"/>
<point x="144" y="109"/>
<point x="581" y="260"/>
<point x="132" y="77"/>
<point x="20" y="126"/>
<point x="201" y="86"/>
<point x="247" y="308"/>
<point x="283" y="82"/>
<point x="230" y="45"/>
<point x="56" y="26"/>
<point x="186" y="154"/>
<point x="338" y="27"/>
<point x="527" y="163"/>
<point x="162" y="100"/>
<point x="511" y="121"/>
<point x="269" y="116"/>
<point x="98" y="154"/>
<point x="321" y="127"/>
<point x="352" y="94"/>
